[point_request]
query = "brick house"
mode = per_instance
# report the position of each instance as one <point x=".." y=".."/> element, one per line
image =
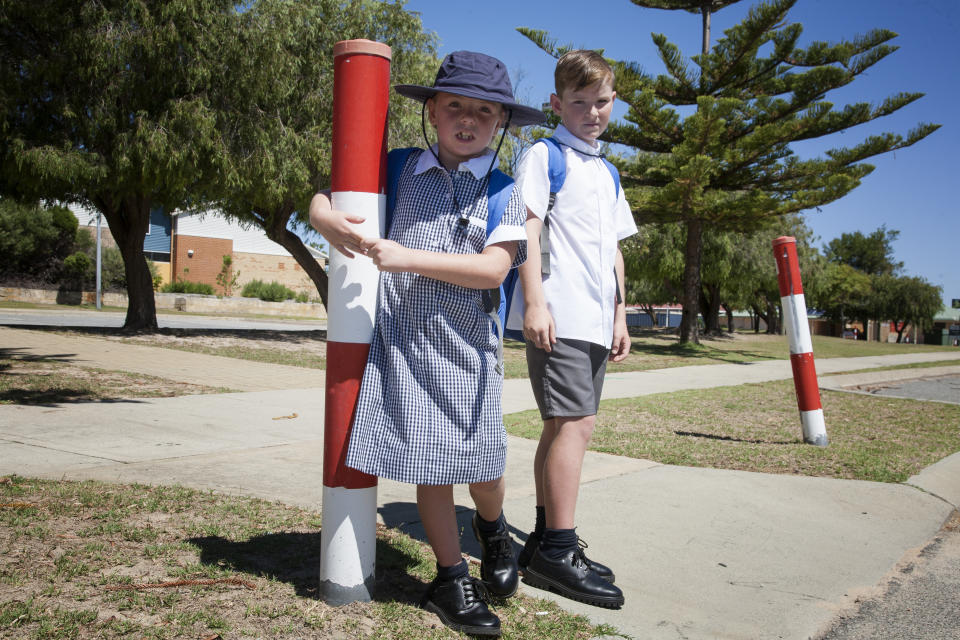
<point x="191" y="246"/>
<point x="201" y="240"/>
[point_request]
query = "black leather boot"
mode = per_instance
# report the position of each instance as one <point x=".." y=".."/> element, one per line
<point x="498" y="567"/>
<point x="460" y="604"/>
<point x="572" y="578"/>
<point x="533" y="541"/>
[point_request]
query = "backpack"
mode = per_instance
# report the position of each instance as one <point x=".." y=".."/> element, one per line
<point x="557" y="174"/>
<point x="499" y="189"/>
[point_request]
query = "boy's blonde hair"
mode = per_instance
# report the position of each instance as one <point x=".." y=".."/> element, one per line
<point x="581" y="68"/>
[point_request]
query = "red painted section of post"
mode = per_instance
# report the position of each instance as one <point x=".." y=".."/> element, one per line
<point x="359" y="116"/>
<point x="348" y="361"/>
<point x="805" y="381"/>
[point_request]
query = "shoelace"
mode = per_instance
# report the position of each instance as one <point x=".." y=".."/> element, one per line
<point x="500" y="545"/>
<point x="579" y="553"/>
<point x="474" y="591"/>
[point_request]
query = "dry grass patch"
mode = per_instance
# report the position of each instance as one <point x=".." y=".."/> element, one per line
<point x="94" y="560"/>
<point x="27" y="379"/>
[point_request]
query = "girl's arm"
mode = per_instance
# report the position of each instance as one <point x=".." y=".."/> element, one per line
<point x="485" y="270"/>
<point x="538" y="325"/>
<point x="337" y="227"/>
<point x="621" y="336"/>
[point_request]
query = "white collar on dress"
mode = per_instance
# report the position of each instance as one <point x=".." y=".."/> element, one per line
<point x="563" y="134"/>
<point x="477" y="166"/>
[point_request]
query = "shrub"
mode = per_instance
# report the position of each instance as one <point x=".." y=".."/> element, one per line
<point x="34" y="240"/>
<point x="185" y="286"/>
<point x="272" y="292"/>
<point x="76" y="268"/>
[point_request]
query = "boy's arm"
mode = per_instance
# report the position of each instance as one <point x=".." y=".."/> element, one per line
<point x="337" y="227"/>
<point x="621" y="337"/>
<point x="485" y="270"/>
<point x="538" y="325"/>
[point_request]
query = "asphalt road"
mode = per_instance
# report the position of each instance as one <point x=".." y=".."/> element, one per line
<point x="921" y="601"/>
<point x="941" y="389"/>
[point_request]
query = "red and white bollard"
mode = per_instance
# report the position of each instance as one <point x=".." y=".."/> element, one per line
<point x="801" y="348"/>
<point x="361" y="91"/>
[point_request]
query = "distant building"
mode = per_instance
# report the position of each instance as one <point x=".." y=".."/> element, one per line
<point x="191" y="246"/>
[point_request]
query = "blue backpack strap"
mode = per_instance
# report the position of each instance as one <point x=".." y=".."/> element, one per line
<point x="556" y="168"/>
<point x="615" y="174"/>
<point x="396" y="159"/>
<point x="557" y="174"/>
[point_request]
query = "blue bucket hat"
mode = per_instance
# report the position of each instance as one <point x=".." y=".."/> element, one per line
<point x="475" y="75"/>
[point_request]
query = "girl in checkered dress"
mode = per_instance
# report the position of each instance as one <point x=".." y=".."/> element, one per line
<point x="429" y="410"/>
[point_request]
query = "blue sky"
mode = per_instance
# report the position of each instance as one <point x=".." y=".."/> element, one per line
<point x="913" y="190"/>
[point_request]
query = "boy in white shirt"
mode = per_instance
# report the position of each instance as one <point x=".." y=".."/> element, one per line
<point x="573" y="319"/>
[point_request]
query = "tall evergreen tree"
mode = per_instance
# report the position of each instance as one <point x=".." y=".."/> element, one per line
<point x="104" y="103"/>
<point x="729" y="165"/>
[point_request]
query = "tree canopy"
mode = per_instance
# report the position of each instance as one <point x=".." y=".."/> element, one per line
<point x="104" y="103"/>
<point x="273" y="104"/>
<point x="125" y="105"/>
<point x="871" y="254"/>
<point x="729" y="164"/>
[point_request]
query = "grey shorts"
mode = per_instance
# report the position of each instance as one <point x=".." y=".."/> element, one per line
<point x="567" y="382"/>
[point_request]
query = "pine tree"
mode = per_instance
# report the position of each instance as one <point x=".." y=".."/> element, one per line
<point x="729" y="165"/>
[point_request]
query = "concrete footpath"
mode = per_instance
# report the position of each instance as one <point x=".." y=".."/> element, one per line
<point x="699" y="553"/>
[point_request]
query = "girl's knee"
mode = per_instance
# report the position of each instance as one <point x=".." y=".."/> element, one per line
<point x="489" y="485"/>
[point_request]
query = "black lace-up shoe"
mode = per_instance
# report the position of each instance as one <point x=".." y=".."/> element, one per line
<point x="498" y="567"/>
<point x="572" y="578"/>
<point x="461" y="605"/>
<point x="533" y="541"/>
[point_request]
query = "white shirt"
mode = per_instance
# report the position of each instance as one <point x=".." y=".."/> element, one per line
<point x="588" y="220"/>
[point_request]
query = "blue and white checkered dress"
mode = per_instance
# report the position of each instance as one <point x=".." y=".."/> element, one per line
<point x="429" y="409"/>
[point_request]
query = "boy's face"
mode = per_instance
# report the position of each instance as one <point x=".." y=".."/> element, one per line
<point x="465" y="126"/>
<point x="585" y="112"/>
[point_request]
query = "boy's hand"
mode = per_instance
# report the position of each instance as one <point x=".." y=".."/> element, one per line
<point x="621" y="342"/>
<point x="538" y="327"/>
<point x="336" y="226"/>
<point x="386" y="254"/>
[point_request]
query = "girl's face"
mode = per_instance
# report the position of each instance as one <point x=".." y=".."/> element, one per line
<point x="465" y="126"/>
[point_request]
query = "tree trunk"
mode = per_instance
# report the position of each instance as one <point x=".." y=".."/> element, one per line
<point x="729" y="313"/>
<point x="772" y="319"/>
<point x="689" y="329"/>
<point x="648" y="309"/>
<point x="278" y="232"/>
<point x="710" y="304"/>
<point x="128" y="221"/>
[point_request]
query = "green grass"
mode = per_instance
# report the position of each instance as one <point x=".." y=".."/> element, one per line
<point x="87" y="573"/>
<point x="756" y="427"/>
<point x="658" y="350"/>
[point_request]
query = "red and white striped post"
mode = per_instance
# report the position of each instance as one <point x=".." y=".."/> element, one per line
<point x="801" y="348"/>
<point x="361" y="91"/>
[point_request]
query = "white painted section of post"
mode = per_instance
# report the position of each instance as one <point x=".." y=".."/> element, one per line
<point x="353" y="281"/>
<point x="798" y="330"/>
<point x="813" y="426"/>
<point x="347" y="548"/>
